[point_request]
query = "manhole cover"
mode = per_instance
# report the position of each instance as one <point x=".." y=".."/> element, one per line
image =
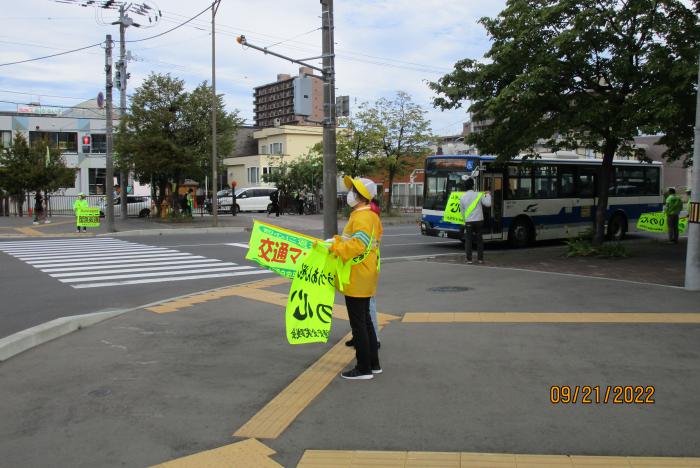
<point x="449" y="289"/>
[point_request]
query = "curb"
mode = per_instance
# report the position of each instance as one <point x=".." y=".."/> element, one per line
<point x="26" y="339"/>
<point x="161" y="232"/>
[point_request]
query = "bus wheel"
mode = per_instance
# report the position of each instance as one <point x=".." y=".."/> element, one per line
<point x="521" y="233"/>
<point x="617" y="227"/>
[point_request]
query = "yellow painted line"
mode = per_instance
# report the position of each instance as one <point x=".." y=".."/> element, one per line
<point x="281" y="411"/>
<point x="547" y="317"/>
<point x="245" y="454"/>
<point x="350" y="459"/>
<point x="30" y="231"/>
<point x="57" y="223"/>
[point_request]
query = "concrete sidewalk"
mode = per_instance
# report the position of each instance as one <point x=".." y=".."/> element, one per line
<point x="469" y="355"/>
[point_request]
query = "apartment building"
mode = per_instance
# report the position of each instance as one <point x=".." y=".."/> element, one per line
<point x="290" y="100"/>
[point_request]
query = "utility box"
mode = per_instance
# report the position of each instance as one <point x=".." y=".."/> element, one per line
<point x="302" y="95"/>
<point x="342" y="106"/>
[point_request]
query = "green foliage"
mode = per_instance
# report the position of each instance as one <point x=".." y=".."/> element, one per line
<point x="167" y="135"/>
<point x="584" y="248"/>
<point x="358" y="143"/>
<point x="403" y="130"/>
<point x="25" y="168"/>
<point x="304" y="174"/>
<point x="591" y="73"/>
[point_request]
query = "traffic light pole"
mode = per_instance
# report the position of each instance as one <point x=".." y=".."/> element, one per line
<point x="330" y="168"/>
<point x="109" y="182"/>
<point x="692" y="259"/>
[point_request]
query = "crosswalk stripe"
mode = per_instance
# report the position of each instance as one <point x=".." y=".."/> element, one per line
<point x="97" y="251"/>
<point x="125" y="264"/>
<point x="179" y="278"/>
<point x="146" y="275"/>
<point x="102" y="258"/>
<point x="96" y="263"/>
<point x="190" y="268"/>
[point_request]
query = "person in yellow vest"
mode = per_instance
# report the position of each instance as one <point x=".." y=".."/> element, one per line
<point x="471" y="203"/>
<point x="79" y="204"/>
<point x="359" y="244"/>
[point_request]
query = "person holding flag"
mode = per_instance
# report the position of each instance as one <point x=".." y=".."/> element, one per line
<point x="359" y="245"/>
<point x="80" y="204"/>
<point x="471" y="203"/>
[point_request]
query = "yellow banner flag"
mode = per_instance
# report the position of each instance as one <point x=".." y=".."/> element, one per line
<point x="278" y="249"/>
<point x="656" y="222"/>
<point x="310" y="303"/>
<point x="453" y="211"/>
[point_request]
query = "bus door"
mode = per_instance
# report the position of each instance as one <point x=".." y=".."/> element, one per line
<point x="493" y="228"/>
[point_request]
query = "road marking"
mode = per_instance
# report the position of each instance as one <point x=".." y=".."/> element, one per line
<point x="160" y="273"/>
<point x="133" y="258"/>
<point x="191" y="268"/>
<point x="178" y="278"/>
<point x="99" y="262"/>
<point x="422" y="243"/>
<point x="351" y="459"/>
<point x="59" y="241"/>
<point x="245" y="454"/>
<point x="30" y="232"/>
<point x="126" y="264"/>
<point x="280" y="412"/>
<point x="238" y="244"/>
<point x="548" y="317"/>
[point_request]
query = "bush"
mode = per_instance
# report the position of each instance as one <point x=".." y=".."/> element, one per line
<point x="582" y="247"/>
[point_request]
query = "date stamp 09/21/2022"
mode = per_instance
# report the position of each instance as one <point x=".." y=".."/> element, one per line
<point x="602" y="394"/>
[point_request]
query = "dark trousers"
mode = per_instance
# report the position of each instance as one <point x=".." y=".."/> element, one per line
<point x="672" y="221"/>
<point x="363" y="333"/>
<point x="470" y="230"/>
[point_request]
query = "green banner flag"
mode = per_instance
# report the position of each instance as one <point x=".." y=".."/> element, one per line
<point x="278" y="249"/>
<point x="309" y="310"/>
<point x="88" y="217"/>
<point x="453" y="211"/>
<point x="656" y="222"/>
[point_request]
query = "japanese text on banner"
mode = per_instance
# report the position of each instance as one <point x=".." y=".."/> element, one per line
<point x="88" y="217"/>
<point x="453" y="211"/>
<point x="278" y="249"/>
<point x="656" y="222"/>
<point x="310" y="303"/>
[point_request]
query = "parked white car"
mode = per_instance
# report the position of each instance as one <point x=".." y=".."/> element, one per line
<point x="248" y="199"/>
<point x="136" y="206"/>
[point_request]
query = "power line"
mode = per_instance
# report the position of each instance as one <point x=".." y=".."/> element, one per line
<point x="172" y="29"/>
<point x="52" y="55"/>
<point x="44" y="95"/>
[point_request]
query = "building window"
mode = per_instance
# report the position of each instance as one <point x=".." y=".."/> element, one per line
<point x="263" y="149"/>
<point x="276" y="148"/>
<point x="253" y="175"/>
<point x="99" y="143"/>
<point x="96" y="180"/>
<point x="64" y="141"/>
<point x="5" y="138"/>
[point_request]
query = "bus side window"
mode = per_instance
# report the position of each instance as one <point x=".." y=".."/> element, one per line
<point x="566" y="182"/>
<point x="585" y="187"/>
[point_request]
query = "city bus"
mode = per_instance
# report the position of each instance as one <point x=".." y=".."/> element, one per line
<point x="538" y="199"/>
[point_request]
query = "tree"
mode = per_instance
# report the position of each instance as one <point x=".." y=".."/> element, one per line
<point x="304" y="174"/>
<point x="166" y="136"/>
<point x="358" y="142"/>
<point x="25" y="168"/>
<point x="403" y="131"/>
<point x="590" y="73"/>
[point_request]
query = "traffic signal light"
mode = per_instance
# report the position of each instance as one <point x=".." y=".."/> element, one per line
<point x="86" y="140"/>
<point x="118" y="76"/>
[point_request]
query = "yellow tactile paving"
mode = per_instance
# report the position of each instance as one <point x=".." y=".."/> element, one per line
<point x="351" y="459"/>
<point x="245" y="454"/>
<point x="547" y="317"/>
<point x="279" y="413"/>
<point x="30" y="232"/>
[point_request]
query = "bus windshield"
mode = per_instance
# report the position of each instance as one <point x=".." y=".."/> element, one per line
<point x="442" y="177"/>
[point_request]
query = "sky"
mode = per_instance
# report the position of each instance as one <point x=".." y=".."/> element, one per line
<point x="382" y="46"/>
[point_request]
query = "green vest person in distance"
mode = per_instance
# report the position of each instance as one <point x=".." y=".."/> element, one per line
<point x="80" y="204"/>
<point x="471" y="203"/>
<point x="672" y="208"/>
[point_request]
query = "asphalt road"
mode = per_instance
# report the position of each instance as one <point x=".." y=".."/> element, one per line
<point x="30" y="296"/>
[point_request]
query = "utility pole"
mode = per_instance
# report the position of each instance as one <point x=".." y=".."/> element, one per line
<point x="124" y="22"/>
<point x="109" y="182"/>
<point x="330" y="168"/>
<point x="214" y="102"/>
<point x="692" y="259"/>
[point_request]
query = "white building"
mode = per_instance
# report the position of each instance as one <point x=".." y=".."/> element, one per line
<point x="78" y="132"/>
